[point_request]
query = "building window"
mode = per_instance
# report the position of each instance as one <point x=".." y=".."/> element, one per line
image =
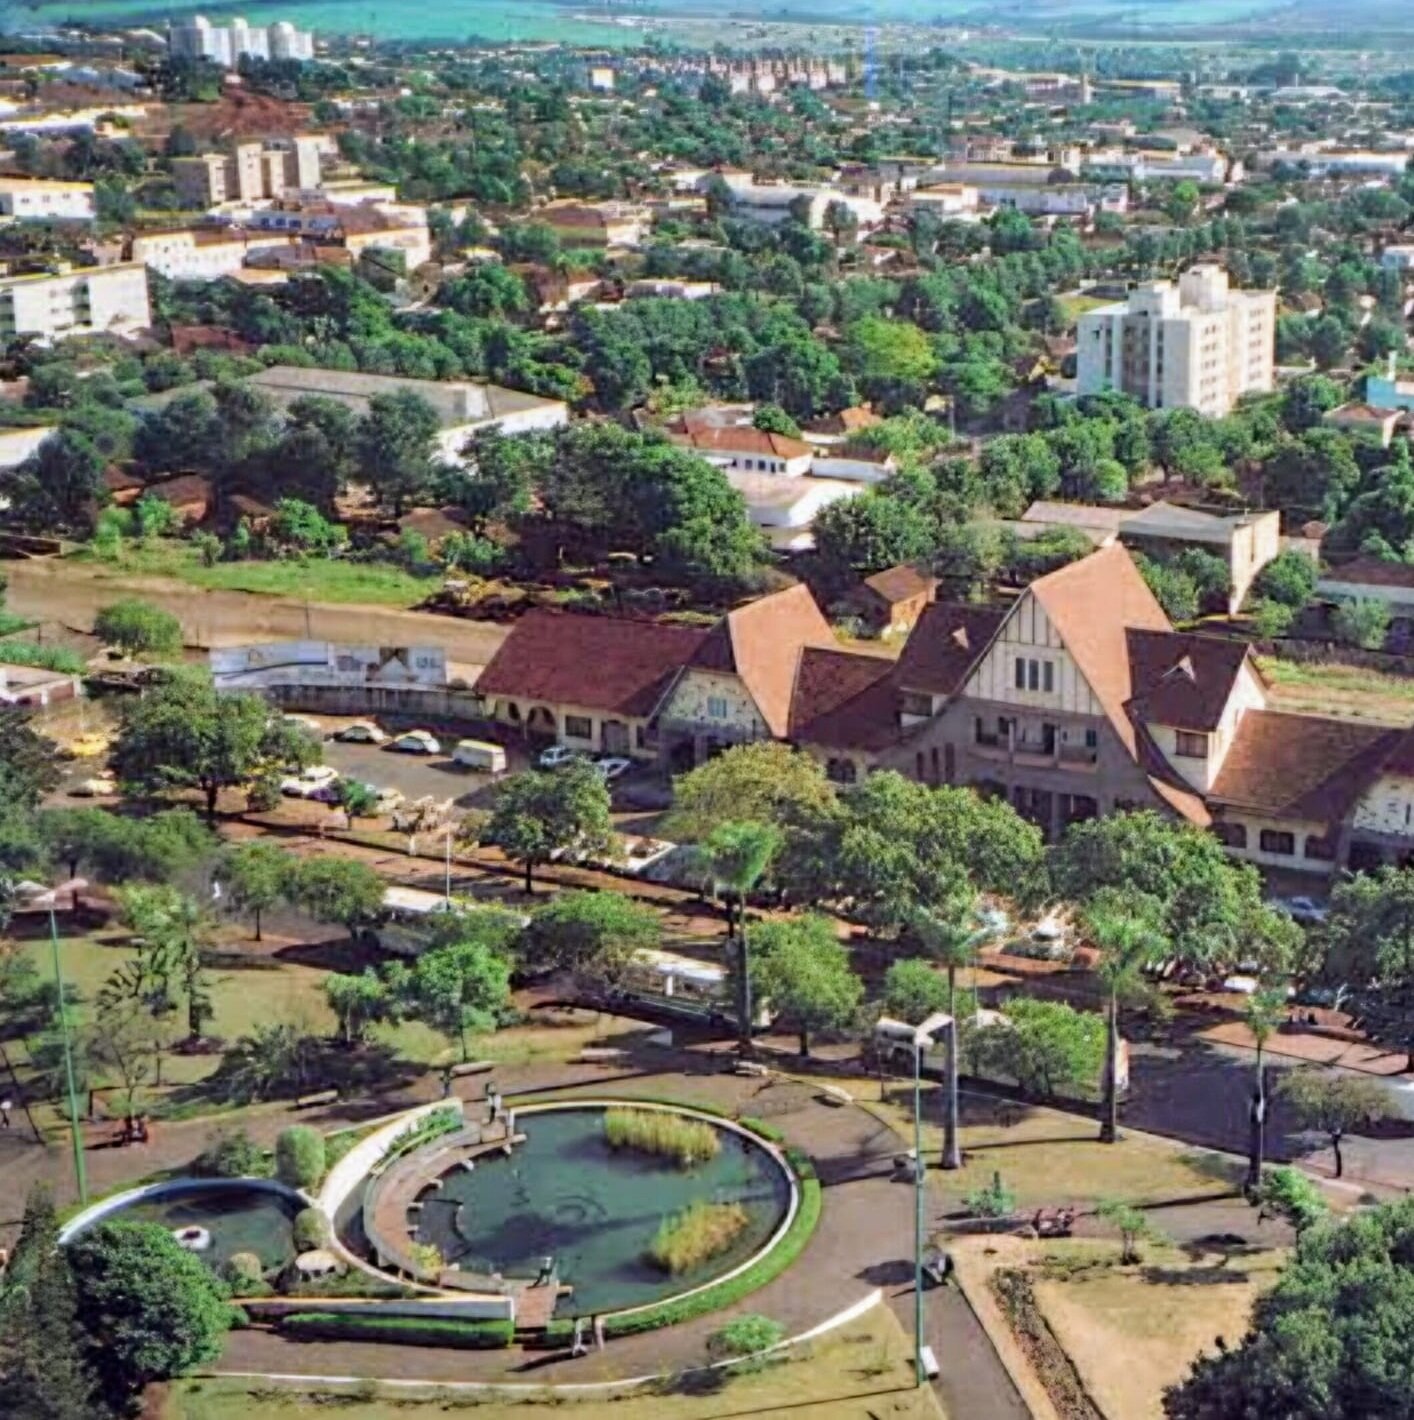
<point x="1048" y="676"/>
<point x="1192" y="746"/>
<point x="1322" y="849"/>
<point x="579" y="727"/>
<point x="841" y="771"/>
<point x="1021" y="674"/>
<point x="717" y="707"/>
<point x="1033" y="675"/>
<point x="1231" y="835"/>
<point x="1092" y="739"/>
<point x="1278" y="841"/>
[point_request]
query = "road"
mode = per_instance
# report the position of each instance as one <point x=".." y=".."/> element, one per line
<point x="71" y="593"/>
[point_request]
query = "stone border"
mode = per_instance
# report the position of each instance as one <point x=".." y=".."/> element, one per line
<point x="115" y="1202"/>
<point x="776" y="1154"/>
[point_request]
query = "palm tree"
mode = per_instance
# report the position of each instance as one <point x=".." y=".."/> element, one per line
<point x="735" y="856"/>
<point x="1124" y="928"/>
<point x="1265" y="1009"/>
<point x="950" y="934"/>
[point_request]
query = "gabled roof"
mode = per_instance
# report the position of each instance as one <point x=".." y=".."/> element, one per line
<point x="900" y="584"/>
<point x="1303" y="766"/>
<point x="744" y="439"/>
<point x="762" y="643"/>
<point x="948" y="639"/>
<point x="598" y="662"/>
<point x="1182" y="680"/>
<point x="843" y="699"/>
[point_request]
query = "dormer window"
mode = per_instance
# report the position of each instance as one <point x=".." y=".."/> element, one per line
<point x="1192" y="746"/>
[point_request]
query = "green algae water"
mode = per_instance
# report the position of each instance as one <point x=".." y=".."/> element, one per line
<point x="565" y="1194"/>
<point x="238" y="1220"/>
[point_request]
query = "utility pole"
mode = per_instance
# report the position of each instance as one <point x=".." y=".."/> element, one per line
<point x="80" y="1176"/>
<point x="920" y="1170"/>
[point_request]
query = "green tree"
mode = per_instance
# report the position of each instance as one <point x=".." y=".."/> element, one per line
<point x="359" y="1001"/>
<point x="1045" y="1046"/>
<point x="60" y="487"/>
<point x="151" y="1308"/>
<point x="762" y="782"/>
<point x="183" y="734"/>
<point x="539" y="813"/>
<point x="1181" y="202"/>
<point x="592" y="935"/>
<point x="461" y="987"/>
<point x="1363" y="623"/>
<point x="45" y="1373"/>
<point x="1132" y="1225"/>
<point x="396" y="447"/>
<point x="357" y="799"/>
<point x="1333" y="1338"/>
<point x="774" y="420"/>
<point x="138" y="628"/>
<point x="1333" y="1103"/>
<point x="1123" y="926"/>
<point x="341" y="890"/>
<point x="856" y="537"/>
<point x="1289" y="578"/>
<point x="1288" y="1194"/>
<point x="256" y="875"/>
<point x="801" y="973"/>
<point x="299" y="1156"/>
<point x="174" y="931"/>
<point x="913" y="990"/>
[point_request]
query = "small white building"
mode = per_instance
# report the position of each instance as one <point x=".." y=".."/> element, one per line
<point x="785" y="509"/>
<point x="41" y="200"/>
<point x="87" y="301"/>
<point x="326" y="663"/>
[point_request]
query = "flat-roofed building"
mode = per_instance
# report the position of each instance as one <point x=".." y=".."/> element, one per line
<point x="79" y="302"/>
<point x="40" y="200"/>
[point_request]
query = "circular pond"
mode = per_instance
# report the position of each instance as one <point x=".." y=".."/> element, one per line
<point x="564" y="1193"/>
<point x="225" y="1218"/>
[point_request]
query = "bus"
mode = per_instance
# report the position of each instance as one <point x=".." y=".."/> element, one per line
<point x="406" y="924"/>
<point x="682" y="987"/>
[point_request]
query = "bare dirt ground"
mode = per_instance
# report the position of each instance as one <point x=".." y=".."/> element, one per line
<point x="71" y="593"/>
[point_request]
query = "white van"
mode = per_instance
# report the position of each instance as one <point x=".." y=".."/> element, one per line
<point x="478" y="754"/>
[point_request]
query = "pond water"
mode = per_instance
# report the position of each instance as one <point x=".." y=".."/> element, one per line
<point x="238" y="1220"/>
<point x="565" y="1193"/>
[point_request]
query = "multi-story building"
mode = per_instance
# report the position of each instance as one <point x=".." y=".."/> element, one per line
<point x="203" y="254"/>
<point x="227" y="45"/>
<point x="83" y="302"/>
<point x="1198" y="345"/>
<point x="251" y="172"/>
<point x="40" y="200"/>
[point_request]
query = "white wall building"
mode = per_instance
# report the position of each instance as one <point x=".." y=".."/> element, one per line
<point x="1198" y="345"/>
<point x="312" y="663"/>
<point x="39" y="200"/>
<point x="226" y="45"/>
<point x="200" y="254"/>
<point x="82" y="302"/>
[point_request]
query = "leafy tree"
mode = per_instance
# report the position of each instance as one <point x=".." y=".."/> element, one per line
<point x="173" y="930"/>
<point x="461" y="987"/>
<point x="913" y="990"/>
<point x="539" y="813"/>
<point x="800" y="970"/>
<point x="1288" y="1194"/>
<point x="152" y="1309"/>
<point x="357" y="799"/>
<point x="60" y="486"/>
<point x="1369" y="939"/>
<point x="1333" y="1338"/>
<point x="856" y="537"/>
<point x="359" y="1001"/>
<point x="127" y="1044"/>
<point x="881" y="352"/>
<point x="1334" y="1103"/>
<point x="1363" y="623"/>
<point x="1132" y="1225"/>
<point x="182" y="734"/>
<point x="593" y="935"/>
<point x="1304" y="401"/>
<point x="138" y="628"/>
<point x="1289" y="578"/>
<point x="1263" y="1014"/>
<point x="341" y="890"/>
<point x="1181" y="202"/>
<point x="761" y="782"/>
<point x="299" y="1156"/>
<point x="44" y="1371"/>
<point x="395" y="447"/>
<point x="1045" y="1046"/>
<point x="28" y="767"/>
<point x="1123" y="926"/>
<point x="774" y="420"/>
<point x="256" y="875"/>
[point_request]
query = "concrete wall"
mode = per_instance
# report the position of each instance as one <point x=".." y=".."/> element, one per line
<point x="105" y="1207"/>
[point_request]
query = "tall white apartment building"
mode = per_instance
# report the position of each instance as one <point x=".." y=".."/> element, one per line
<point x="226" y="45"/>
<point x="40" y="200"/>
<point x="1198" y="345"/>
<point x="251" y="172"/>
<point x="88" y="301"/>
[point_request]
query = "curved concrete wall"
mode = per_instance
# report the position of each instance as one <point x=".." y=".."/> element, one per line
<point x="354" y="1167"/>
<point x="115" y="1202"/>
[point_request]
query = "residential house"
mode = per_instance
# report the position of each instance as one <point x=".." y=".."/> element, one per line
<point x="596" y="224"/>
<point x="25" y="199"/>
<point x="1388" y="391"/>
<point x="1360" y="418"/>
<point x="891" y="602"/>
<point x="36" y="687"/>
<point x="1370" y="579"/>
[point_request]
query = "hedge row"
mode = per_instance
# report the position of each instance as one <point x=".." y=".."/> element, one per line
<point x="483" y="1335"/>
<point x="724" y="1293"/>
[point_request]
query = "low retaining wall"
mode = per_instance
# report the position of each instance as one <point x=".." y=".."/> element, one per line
<point x="97" y="1212"/>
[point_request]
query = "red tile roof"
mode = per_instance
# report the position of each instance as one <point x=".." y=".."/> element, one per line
<point x="947" y="641"/>
<point x="900" y="584"/>
<point x="844" y="699"/>
<point x="743" y="439"/>
<point x="1183" y="680"/>
<point x="597" y="662"/>
<point x="1372" y="572"/>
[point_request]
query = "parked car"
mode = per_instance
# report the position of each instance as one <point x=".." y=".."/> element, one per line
<point x="479" y="754"/>
<point x="305" y="723"/>
<point x="1307" y="910"/>
<point x="416" y="742"/>
<point x="612" y="767"/>
<point x="556" y="755"/>
<point x="309" y="783"/>
<point x="98" y="787"/>
<point x="362" y="732"/>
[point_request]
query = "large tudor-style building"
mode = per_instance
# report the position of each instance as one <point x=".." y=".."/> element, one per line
<point x="1076" y="699"/>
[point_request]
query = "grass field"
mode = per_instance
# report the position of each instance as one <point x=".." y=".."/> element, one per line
<point x="371" y="583"/>
<point x="1334" y="689"/>
<point x="862" y="1371"/>
<point x="1076" y="306"/>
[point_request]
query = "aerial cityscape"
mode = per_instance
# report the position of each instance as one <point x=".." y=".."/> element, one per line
<point x="707" y="709"/>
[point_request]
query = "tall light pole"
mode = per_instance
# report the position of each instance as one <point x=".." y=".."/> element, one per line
<point x="920" y="1170"/>
<point x="80" y="1175"/>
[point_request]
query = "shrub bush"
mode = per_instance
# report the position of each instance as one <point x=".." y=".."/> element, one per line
<point x="232" y="1153"/>
<point x="744" y="1336"/>
<point x="299" y="1156"/>
<point x="686" y="1142"/>
<point x="243" y="1270"/>
<point x="993" y="1200"/>
<point x="700" y="1232"/>
<point x="311" y="1230"/>
<point x="400" y="1330"/>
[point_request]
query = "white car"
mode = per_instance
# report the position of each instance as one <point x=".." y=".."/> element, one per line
<point x="305" y="723"/>
<point x="362" y="732"/>
<point x="309" y="783"/>
<point x="416" y="742"/>
<point x="611" y="767"/>
<point x="97" y="788"/>
<point x="556" y="756"/>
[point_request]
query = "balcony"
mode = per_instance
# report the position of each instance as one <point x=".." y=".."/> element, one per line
<point x="1029" y="748"/>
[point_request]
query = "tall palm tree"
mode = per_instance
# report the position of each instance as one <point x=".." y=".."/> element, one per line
<point x="951" y="934"/>
<point x="1264" y="1012"/>
<point x="736" y="856"/>
<point x="1124" y="927"/>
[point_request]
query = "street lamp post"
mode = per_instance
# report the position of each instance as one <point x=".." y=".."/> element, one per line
<point x="76" y="1137"/>
<point x="920" y="1169"/>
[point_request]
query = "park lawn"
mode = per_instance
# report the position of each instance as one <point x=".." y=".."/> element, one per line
<point x="1352" y="692"/>
<point x="1132" y="1331"/>
<point x="863" y="1370"/>
<point x="1047" y="1157"/>
<point x="315" y="579"/>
